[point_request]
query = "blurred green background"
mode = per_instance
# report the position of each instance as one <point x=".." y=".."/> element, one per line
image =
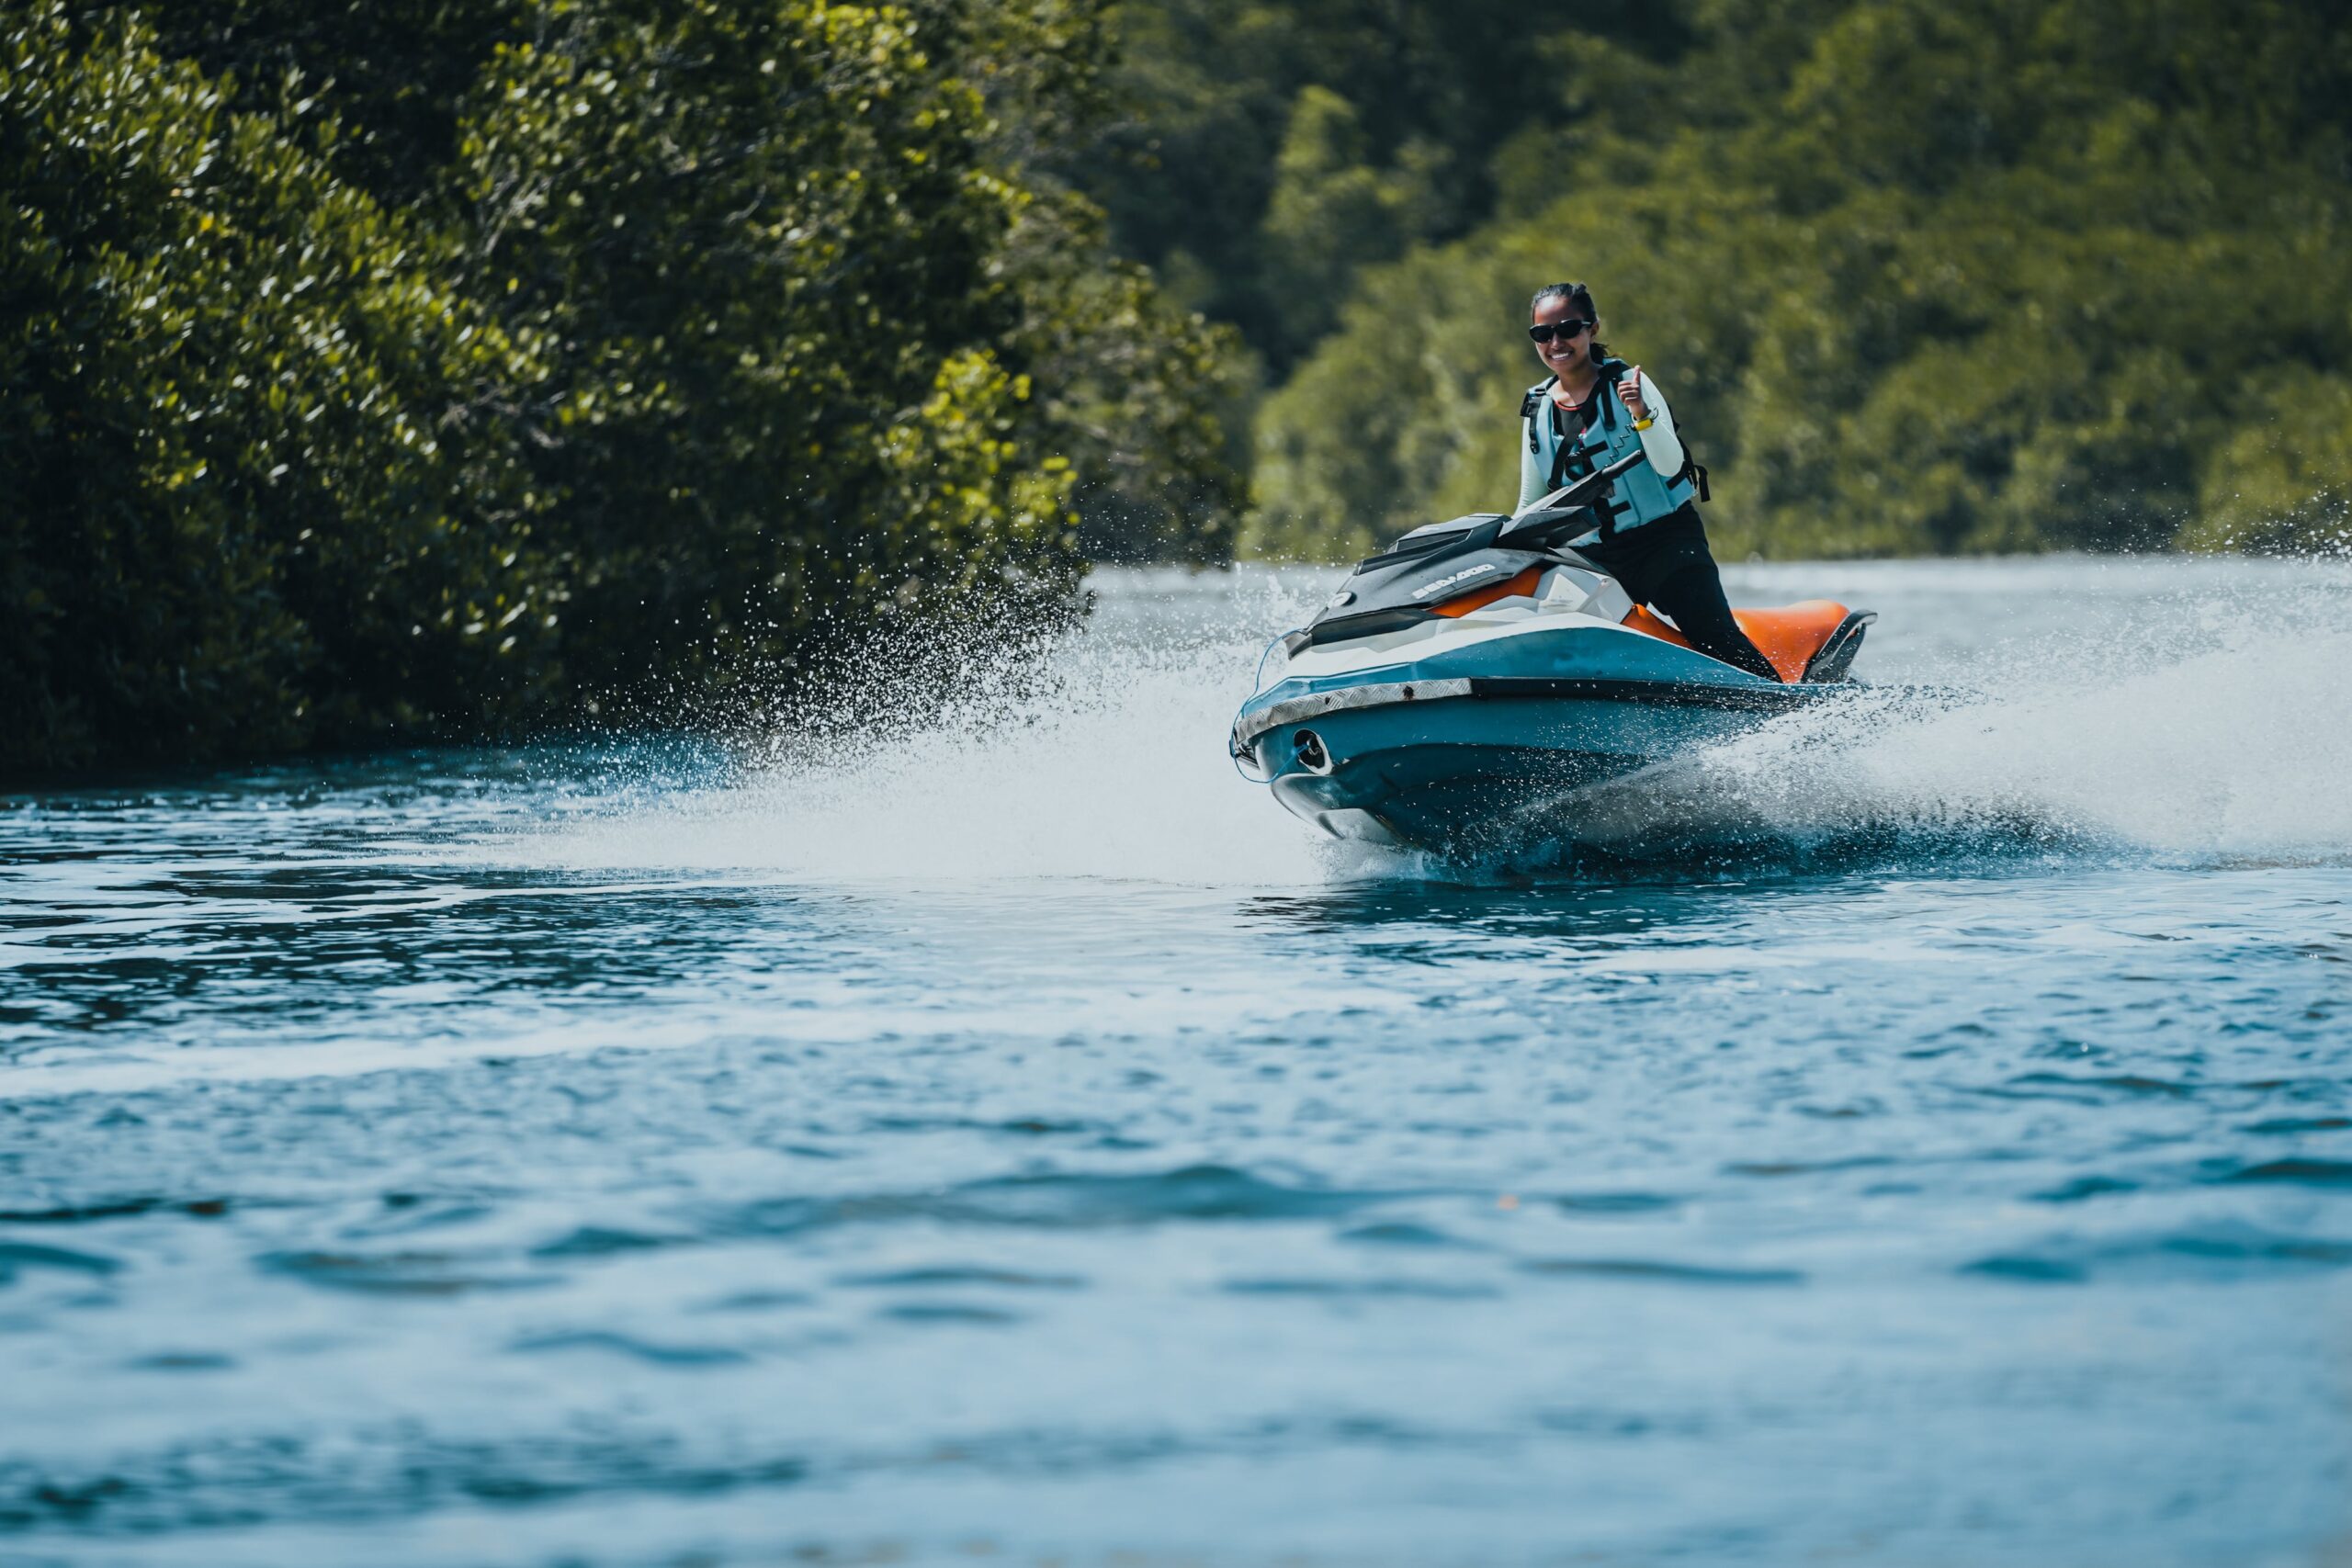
<point x="385" y="369"/>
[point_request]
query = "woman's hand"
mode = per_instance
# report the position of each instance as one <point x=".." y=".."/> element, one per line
<point x="1629" y="392"/>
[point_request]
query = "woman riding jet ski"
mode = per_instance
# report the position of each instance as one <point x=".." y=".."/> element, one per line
<point x="1466" y="683"/>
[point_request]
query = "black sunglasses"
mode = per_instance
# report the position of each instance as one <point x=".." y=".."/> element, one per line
<point x="1566" y="331"/>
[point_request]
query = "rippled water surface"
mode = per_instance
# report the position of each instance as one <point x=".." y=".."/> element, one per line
<point x="1016" y="1141"/>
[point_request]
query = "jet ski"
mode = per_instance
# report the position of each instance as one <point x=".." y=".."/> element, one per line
<point x="1463" y="686"/>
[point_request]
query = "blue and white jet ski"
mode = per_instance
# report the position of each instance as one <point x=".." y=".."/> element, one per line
<point x="1466" y="683"/>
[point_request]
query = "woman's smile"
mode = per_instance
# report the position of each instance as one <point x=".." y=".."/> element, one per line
<point x="1563" y="337"/>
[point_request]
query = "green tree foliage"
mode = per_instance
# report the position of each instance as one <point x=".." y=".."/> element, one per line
<point x="256" y="476"/>
<point x="397" y="71"/>
<point x="2283" y="479"/>
<point x="2035" y="274"/>
<point x="1331" y="213"/>
<point x="608" y="346"/>
<point x="1268" y="151"/>
<point x="1140" y="395"/>
<point x="755" y="237"/>
<point x="1146" y="399"/>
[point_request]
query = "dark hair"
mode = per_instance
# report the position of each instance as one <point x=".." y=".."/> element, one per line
<point x="1578" y="295"/>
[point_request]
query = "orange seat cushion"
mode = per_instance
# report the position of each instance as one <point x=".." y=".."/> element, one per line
<point x="1789" y="636"/>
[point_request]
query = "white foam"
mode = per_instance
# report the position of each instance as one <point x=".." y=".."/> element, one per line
<point x="2178" y="708"/>
<point x="2197" y="730"/>
<point x="1111" y="766"/>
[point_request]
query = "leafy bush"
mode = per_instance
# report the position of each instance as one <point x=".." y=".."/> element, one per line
<point x="729" y="327"/>
<point x="256" y="453"/>
<point x="754" y="237"/>
<point x="397" y="70"/>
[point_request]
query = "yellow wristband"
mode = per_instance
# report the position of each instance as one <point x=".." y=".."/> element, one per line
<point x="1643" y="423"/>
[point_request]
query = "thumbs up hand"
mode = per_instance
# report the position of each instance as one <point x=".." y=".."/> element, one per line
<point x="1629" y="392"/>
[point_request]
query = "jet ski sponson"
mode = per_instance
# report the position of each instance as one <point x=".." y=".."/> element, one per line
<point x="1463" y="686"/>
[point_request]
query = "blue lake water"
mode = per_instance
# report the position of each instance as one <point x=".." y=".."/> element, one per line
<point x="1016" y="1141"/>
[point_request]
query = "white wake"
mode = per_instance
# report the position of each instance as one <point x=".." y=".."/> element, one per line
<point x="2191" y="709"/>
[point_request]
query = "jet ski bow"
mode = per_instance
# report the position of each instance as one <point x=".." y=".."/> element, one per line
<point x="1464" y="684"/>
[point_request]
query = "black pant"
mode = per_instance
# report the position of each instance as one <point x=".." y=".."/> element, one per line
<point x="1667" y="565"/>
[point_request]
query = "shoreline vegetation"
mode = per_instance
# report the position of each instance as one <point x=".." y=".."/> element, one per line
<point x="1919" y="279"/>
<point x="384" y="371"/>
<point x="406" y="369"/>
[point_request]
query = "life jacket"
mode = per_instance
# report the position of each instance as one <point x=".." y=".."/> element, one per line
<point x="1643" y="494"/>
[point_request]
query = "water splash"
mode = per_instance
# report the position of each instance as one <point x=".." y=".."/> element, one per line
<point x="2183" y="731"/>
<point x="1097" y="754"/>
<point x="2124" y="716"/>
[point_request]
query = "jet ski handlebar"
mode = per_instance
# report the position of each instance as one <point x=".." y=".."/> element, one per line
<point x="1527" y="526"/>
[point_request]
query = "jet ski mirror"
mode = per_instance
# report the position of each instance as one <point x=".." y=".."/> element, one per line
<point x="1531" y="526"/>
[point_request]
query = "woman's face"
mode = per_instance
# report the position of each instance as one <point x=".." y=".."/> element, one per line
<point x="1569" y="349"/>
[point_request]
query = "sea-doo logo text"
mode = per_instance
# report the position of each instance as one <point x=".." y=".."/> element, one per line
<point x="1463" y="575"/>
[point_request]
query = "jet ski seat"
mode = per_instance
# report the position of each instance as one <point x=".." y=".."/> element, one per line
<point x="1812" y="641"/>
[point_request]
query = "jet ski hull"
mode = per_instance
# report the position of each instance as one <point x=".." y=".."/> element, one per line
<point x="1482" y="746"/>
<point x="1491" y="768"/>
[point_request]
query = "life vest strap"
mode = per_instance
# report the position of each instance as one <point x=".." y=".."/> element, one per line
<point x="1692" y="471"/>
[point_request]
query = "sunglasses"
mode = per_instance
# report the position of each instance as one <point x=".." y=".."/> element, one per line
<point x="1566" y="332"/>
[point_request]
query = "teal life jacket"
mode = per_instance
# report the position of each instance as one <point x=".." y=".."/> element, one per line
<point x="1643" y="494"/>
